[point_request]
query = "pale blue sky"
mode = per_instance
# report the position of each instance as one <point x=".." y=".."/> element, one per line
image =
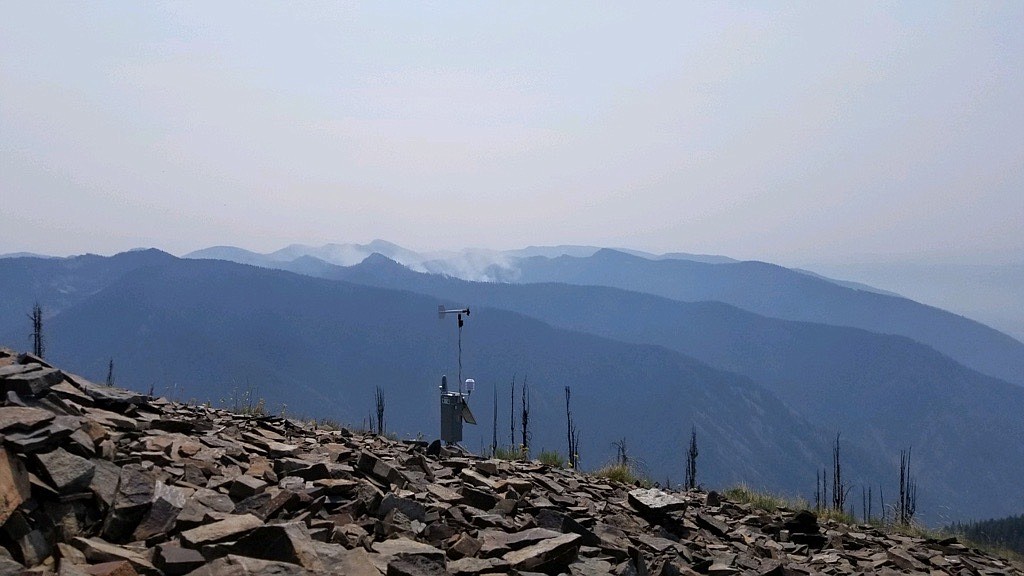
<point x="796" y="132"/>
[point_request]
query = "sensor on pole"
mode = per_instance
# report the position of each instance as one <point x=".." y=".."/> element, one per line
<point x="454" y="409"/>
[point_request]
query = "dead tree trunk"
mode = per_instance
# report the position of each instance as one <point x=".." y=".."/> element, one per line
<point x="691" y="461"/>
<point x="494" y="425"/>
<point x="526" y="420"/>
<point x="839" y="489"/>
<point x="621" y="453"/>
<point x="380" y="410"/>
<point x="572" y="435"/>
<point x="38" y="347"/>
<point x="907" y="505"/>
<point x="512" y="417"/>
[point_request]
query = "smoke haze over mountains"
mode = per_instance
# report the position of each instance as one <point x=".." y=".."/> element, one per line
<point x="821" y="133"/>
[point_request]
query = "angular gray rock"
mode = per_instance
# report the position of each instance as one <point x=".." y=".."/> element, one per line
<point x="412" y="509"/>
<point x="553" y="554"/>
<point x="14" y="484"/>
<point x="167" y="503"/>
<point x="131" y="501"/>
<point x="241" y="566"/>
<point x="280" y="542"/>
<point x="22" y="418"/>
<point x="65" y="471"/>
<point x="231" y="527"/>
<point x="415" y="565"/>
<point x="174" y="560"/>
<point x="31" y="383"/>
<point x="653" y="501"/>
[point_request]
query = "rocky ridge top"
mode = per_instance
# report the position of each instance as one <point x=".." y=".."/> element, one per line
<point x="96" y="480"/>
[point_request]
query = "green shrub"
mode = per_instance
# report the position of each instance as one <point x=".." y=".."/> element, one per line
<point x="551" y="458"/>
<point x="245" y="403"/>
<point x="328" y="423"/>
<point x="771" y="502"/>
<point x="503" y="453"/>
<point x="624" y="474"/>
<point x="762" y="500"/>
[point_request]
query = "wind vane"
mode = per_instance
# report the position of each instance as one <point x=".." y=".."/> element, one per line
<point x="454" y="409"/>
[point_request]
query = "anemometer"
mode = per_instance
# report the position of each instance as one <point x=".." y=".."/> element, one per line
<point x="454" y="409"/>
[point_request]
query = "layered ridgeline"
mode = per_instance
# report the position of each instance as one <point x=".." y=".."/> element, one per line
<point x="103" y="481"/>
<point x="783" y="293"/>
<point x="757" y="287"/>
<point x="213" y="330"/>
<point x="884" y="393"/>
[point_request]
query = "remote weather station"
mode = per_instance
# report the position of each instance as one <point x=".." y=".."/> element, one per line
<point x="454" y="409"/>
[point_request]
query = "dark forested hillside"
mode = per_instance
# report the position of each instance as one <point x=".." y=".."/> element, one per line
<point x="885" y="392"/>
<point x="58" y="283"/>
<point x="1000" y="532"/>
<point x="208" y="330"/>
<point x="213" y="330"/>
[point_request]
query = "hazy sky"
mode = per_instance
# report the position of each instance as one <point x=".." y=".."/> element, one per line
<point x="790" y="132"/>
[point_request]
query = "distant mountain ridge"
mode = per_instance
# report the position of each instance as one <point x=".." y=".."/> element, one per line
<point x="468" y="264"/>
<point x="211" y="330"/>
<point x="884" y="392"/>
<point x="204" y="329"/>
<point x="775" y="291"/>
<point x="24" y="255"/>
<point x="759" y="287"/>
<point x="63" y="282"/>
<point x="989" y="293"/>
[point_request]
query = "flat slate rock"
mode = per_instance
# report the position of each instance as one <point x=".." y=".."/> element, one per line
<point x="107" y="394"/>
<point x="167" y="503"/>
<point x="241" y="566"/>
<point x="97" y="550"/>
<point x="175" y="560"/>
<point x="281" y="542"/>
<point x="412" y="509"/>
<point x="15" y="487"/>
<point x="13" y="369"/>
<point x="230" y="527"/>
<point x="245" y="486"/>
<point x="405" y="546"/>
<point x="354" y="562"/>
<point x="65" y="471"/>
<point x="20" y="418"/>
<point x="716" y="526"/>
<point x="31" y="383"/>
<point x="473" y="566"/>
<point x="116" y="568"/>
<point x="654" y="501"/>
<point x="547" y="555"/>
<point x="416" y="566"/>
